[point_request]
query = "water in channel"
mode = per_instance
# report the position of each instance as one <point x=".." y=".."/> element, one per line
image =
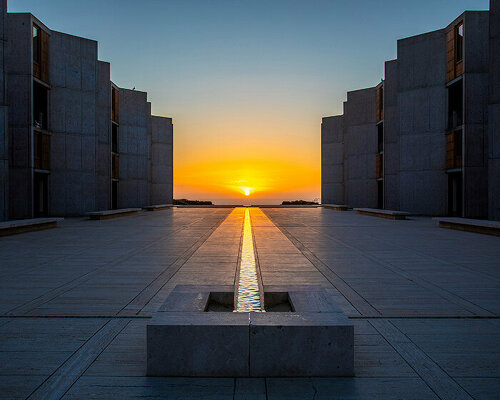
<point x="248" y="292"/>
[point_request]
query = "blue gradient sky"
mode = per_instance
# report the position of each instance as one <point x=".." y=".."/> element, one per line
<point x="246" y="80"/>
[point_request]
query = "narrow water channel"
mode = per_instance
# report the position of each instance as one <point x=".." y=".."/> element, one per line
<point x="248" y="295"/>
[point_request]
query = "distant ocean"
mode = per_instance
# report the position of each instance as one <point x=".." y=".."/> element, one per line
<point x="251" y="202"/>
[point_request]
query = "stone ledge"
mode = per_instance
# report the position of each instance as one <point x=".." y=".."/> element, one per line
<point x="107" y="214"/>
<point x="337" y="207"/>
<point x="388" y="214"/>
<point x="27" y="225"/>
<point x="471" y="225"/>
<point x="157" y="207"/>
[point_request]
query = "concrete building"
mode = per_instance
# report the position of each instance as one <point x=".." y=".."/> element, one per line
<point x="494" y="112"/>
<point x="332" y="160"/>
<point x="77" y="142"/>
<point x="360" y="148"/>
<point x="425" y="147"/>
<point x="4" y="138"/>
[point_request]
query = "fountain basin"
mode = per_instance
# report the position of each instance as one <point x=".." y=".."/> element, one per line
<point x="189" y="337"/>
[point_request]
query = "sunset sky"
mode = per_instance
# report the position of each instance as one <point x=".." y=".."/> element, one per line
<point x="246" y="82"/>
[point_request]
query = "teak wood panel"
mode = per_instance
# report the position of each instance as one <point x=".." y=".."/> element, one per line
<point x="41" y="68"/>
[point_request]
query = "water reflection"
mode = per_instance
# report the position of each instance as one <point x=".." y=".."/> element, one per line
<point x="248" y="293"/>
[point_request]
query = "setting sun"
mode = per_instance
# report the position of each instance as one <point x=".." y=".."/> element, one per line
<point x="246" y="191"/>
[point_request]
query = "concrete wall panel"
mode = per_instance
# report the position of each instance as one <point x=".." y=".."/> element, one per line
<point x="332" y="160"/>
<point x="494" y="112"/>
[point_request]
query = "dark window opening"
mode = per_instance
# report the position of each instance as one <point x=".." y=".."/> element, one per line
<point x="40" y="106"/>
<point x="114" y="195"/>
<point x="40" y="195"/>
<point x="115" y="167"/>
<point x="459" y="35"/>
<point x="380" y="128"/>
<point x="380" y="194"/>
<point x="114" y="105"/>
<point x="36" y="43"/>
<point x="455" y="194"/>
<point x="455" y="105"/>
<point x="114" y="138"/>
<point x="41" y="149"/>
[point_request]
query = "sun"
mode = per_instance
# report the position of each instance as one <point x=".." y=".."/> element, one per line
<point x="246" y="190"/>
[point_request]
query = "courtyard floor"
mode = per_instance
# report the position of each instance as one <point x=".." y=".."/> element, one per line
<point x="424" y="301"/>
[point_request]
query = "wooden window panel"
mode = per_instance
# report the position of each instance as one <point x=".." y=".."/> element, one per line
<point x="45" y="151"/>
<point x="44" y="56"/>
<point x="450" y="55"/>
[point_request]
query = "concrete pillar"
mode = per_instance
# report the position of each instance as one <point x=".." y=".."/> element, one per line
<point x="360" y="148"/>
<point x="73" y="101"/>
<point x="332" y="160"/>
<point x="4" y="136"/>
<point x="18" y="58"/>
<point x="391" y="136"/>
<point x="161" y="160"/>
<point x="134" y="149"/>
<point x="422" y="110"/>
<point x="103" y="133"/>
<point x="494" y="112"/>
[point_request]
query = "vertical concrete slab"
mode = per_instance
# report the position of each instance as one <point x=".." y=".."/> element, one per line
<point x="391" y="136"/>
<point x="161" y="160"/>
<point x="332" y="160"/>
<point x="360" y="148"/>
<point x="134" y="148"/>
<point x="18" y="58"/>
<point x="422" y="110"/>
<point x="103" y="133"/>
<point x="494" y="113"/>
<point x="72" y="115"/>
<point x="4" y="138"/>
<point x="476" y="66"/>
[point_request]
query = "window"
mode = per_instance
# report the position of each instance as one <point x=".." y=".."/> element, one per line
<point x="114" y="138"/>
<point x="40" y="106"/>
<point x="455" y="105"/>
<point x="41" y="148"/>
<point x="36" y="44"/>
<point x="459" y="37"/>
<point x="380" y="128"/>
<point x="114" y="105"/>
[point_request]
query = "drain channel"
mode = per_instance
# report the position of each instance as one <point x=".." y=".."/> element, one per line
<point x="248" y="294"/>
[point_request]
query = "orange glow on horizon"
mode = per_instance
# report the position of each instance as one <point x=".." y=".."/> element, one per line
<point x="234" y="159"/>
<point x="258" y="179"/>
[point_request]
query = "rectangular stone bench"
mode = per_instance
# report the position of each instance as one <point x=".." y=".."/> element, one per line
<point x="112" y="213"/>
<point x="157" y="207"/>
<point x="471" y="225"/>
<point x="388" y="214"/>
<point x="188" y="337"/>
<point x="27" y="225"/>
<point x="337" y="207"/>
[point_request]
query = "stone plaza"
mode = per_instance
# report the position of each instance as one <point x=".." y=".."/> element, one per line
<point x="424" y="301"/>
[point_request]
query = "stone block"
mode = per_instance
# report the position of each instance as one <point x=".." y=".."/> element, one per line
<point x="198" y="344"/>
<point x="301" y="344"/>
